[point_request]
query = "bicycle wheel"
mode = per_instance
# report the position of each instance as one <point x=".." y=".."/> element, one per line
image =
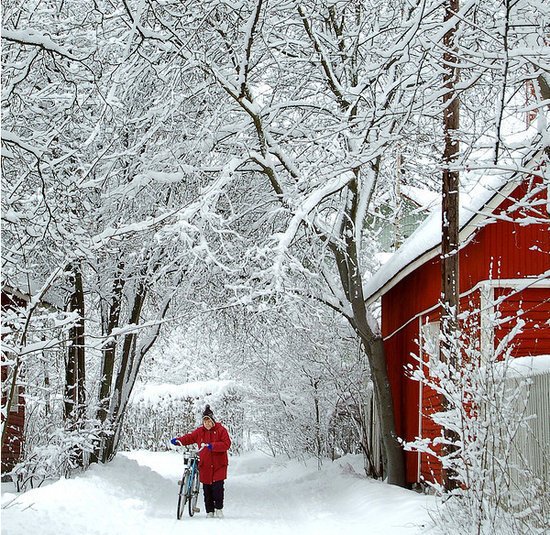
<point x="182" y="495"/>
<point x="195" y="488"/>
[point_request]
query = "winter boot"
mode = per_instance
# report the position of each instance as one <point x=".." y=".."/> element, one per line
<point x="209" y="515"/>
<point x="219" y="513"/>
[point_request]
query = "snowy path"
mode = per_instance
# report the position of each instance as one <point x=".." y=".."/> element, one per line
<point x="136" y="494"/>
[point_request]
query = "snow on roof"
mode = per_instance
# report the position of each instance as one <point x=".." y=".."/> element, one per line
<point x="153" y="393"/>
<point x="423" y="198"/>
<point x="483" y="189"/>
<point x="27" y="290"/>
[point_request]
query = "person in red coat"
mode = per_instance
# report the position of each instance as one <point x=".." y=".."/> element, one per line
<point x="214" y="440"/>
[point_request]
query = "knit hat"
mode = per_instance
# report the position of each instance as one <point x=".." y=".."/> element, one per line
<point x="207" y="413"/>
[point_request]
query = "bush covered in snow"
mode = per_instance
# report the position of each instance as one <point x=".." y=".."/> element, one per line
<point x="158" y="412"/>
<point x="495" y="466"/>
<point x="58" y="456"/>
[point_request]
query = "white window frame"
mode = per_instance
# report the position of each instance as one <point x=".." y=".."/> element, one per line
<point x="431" y="330"/>
<point x="486" y="321"/>
<point x="487" y="305"/>
<point x="429" y="340"/>
<point x="15" y="405"/>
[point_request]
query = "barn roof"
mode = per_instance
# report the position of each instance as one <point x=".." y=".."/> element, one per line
<point x="25" y="291"/>
<point x="477" y="202"/>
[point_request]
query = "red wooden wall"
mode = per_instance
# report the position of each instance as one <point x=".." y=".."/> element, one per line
<point x="12" y="447"/>
<point x="499" y="250"/>
<point x="534" y="304"/>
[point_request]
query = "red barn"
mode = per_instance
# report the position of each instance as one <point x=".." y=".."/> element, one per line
<point x="16" y="295"/>
<point x="505" y="253"/>
<point x="14" y="418"/>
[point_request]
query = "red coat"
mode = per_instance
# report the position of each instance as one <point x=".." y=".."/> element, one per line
<point x="212" y="463"/>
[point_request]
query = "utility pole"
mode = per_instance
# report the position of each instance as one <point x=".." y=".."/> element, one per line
<point x="450" y="210"/>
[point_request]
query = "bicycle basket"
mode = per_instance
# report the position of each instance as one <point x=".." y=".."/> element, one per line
<point x="187" y="456"/>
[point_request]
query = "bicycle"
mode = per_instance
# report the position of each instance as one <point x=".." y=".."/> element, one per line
<point x="189" y="484"/>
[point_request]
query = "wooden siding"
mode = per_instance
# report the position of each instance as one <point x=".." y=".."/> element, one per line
<point x="13" y="446"/>
<point x="533" y="305"/>
<point x="430" y="466"/>
<point x="499" y="250"/>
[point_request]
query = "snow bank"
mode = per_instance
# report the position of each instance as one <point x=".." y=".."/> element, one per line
<point x="523" y="367"/>
<point x="137" y="493"/>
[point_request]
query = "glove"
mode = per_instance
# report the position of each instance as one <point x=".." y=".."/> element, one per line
<point x="209" y="446"/>
<point x="175" y="442"/>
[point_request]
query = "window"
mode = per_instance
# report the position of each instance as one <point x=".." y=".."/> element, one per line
<point x="14" y="407"/>
<point x="429" y="333"/>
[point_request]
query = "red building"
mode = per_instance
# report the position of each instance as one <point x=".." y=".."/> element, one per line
<point x="11" y="448"/>
<point x="505" y="253"/>
<point x="12" y="441"/>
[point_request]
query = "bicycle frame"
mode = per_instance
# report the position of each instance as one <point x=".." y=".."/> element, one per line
<point x="189" y="484"/>
<point x="192" y="466"/>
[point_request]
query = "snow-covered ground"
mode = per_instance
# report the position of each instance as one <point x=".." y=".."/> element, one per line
<point x="137" y="493"/>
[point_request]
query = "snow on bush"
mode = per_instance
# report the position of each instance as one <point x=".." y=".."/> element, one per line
<point x="488" y="446"/>
<point x="158" y="412"/>
<point x="58" y="456"/>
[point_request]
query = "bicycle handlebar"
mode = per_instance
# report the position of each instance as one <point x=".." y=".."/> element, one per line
<point x="188" y="449"/>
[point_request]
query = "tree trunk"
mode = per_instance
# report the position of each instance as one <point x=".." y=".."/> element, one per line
<point x="393" y="452"/>
<point x="450" y="186"/>
<point x="75" y="370"/>
<point x="544" y="86"/>
<point x="118" y="396"/>
<point x="131" y="356"/>
<point x="111" y="322"/>
<point x="352" y="282"/>
<point x="318" y="441"/>
<point x="109" y="351"/>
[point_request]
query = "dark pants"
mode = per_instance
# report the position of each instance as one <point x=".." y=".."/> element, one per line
<point x="213" y="496"/>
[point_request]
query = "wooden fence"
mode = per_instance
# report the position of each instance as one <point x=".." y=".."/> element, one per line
<point x="530" y="454"/>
